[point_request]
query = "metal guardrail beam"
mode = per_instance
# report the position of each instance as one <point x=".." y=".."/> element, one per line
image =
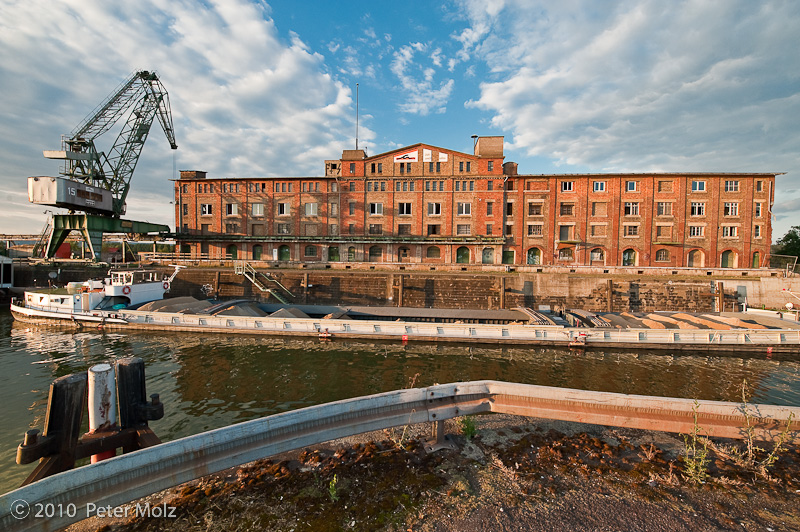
<point x="129" y="477"/>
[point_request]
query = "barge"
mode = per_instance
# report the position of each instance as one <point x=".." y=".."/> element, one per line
<point x="135" y="300"/>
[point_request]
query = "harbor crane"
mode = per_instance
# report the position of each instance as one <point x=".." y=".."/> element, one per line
<point x="95" y="184"/>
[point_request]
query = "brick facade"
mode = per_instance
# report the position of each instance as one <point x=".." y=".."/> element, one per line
<point x="426" y="204"/>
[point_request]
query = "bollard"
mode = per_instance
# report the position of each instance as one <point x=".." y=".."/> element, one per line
<point x="55" y="447"/>
<point x="102" y="405"/>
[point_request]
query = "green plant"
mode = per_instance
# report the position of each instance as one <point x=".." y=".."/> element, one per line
<point x="772" y="457"/>
<point x="748" y="457"/>
<point x="751" y="448"/>
<point x="696" y="446"/>
<point x="333" y="490"/>
<point x="468" y="428"/>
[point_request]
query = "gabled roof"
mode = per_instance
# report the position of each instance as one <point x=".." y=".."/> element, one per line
<point x="417" y="146"/>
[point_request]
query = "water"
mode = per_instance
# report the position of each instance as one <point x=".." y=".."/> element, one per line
<point x="210" y="381"/>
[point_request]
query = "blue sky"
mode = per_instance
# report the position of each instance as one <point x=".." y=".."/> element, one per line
<point x="268" y="88"/>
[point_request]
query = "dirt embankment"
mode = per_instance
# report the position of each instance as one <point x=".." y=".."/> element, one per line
<point x="513" y="474"/>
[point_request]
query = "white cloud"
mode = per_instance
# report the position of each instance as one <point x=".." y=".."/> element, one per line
<point x="244" y="101"/>
<point x="423" y="94"/>
<point x="644" y="85"/>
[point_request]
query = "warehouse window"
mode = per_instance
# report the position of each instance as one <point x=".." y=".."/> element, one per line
<point x="696" y="231"/>
<point x="631" y="208"/>
<point x="731" y="209"/>
<point x="631" y="230"/>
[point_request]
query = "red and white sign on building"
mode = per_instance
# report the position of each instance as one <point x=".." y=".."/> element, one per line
<point x="407" y="157"/>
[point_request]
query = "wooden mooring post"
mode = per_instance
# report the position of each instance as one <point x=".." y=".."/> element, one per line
<point x="60" y="445"/>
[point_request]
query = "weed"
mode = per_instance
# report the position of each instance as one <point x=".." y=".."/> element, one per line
<point x="468" y="428"/>
<point x="668" y="479"/>
<point x="401" y="440"/>
<point x="696" y="459"/>
<point x="333" y="491"/>
<point x="748" y="458"/>
<point x="648" y="453"/>
<point x="772" y="457"/>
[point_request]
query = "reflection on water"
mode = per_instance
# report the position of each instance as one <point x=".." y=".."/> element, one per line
<point x="210" y="381"/>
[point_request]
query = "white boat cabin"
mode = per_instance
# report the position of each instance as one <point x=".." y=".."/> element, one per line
<point x="122" y="289"/>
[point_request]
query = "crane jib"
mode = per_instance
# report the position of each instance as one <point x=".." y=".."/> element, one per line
<point x="97" y="182"/>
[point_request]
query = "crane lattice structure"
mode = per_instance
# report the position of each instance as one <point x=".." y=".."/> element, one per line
<point x="96" y="183"/>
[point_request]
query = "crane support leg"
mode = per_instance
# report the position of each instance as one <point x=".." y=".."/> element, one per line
<point x="92" y="229"/>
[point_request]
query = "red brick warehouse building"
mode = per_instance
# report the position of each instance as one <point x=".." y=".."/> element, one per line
<point x="426" y="204"/>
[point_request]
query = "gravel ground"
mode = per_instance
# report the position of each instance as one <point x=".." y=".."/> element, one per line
<point x="512" y="474"/>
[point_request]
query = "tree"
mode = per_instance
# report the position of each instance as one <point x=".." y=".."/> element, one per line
<point x="789" y="244"/>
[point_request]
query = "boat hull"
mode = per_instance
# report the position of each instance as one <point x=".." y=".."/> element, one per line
<point x="750" y="341"/>
<point x="75" y="319"/>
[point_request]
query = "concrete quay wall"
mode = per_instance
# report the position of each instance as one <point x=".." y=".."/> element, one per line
<point x="468" y="290"/>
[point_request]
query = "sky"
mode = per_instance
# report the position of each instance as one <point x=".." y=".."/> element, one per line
<point x="268" y="88"/>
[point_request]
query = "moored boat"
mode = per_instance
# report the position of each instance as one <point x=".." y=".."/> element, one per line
<point x="93" y="301"/>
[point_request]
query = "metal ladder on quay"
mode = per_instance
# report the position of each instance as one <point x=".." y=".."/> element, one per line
<point x="246" y="269"/>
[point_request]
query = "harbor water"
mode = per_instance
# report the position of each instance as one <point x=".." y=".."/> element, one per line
<point x="210" y="381"/>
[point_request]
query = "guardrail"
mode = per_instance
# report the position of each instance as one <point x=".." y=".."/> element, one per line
<point x="119" y="480"/>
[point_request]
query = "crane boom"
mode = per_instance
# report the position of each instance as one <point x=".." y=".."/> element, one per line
<point x="98" y="183"/>
<point x="145" y="98"/>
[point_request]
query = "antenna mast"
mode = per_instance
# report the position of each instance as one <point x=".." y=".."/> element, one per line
<point x="356" y="115"/>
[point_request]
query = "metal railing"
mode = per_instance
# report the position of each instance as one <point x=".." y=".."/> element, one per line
<point x="129" y="477"/>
